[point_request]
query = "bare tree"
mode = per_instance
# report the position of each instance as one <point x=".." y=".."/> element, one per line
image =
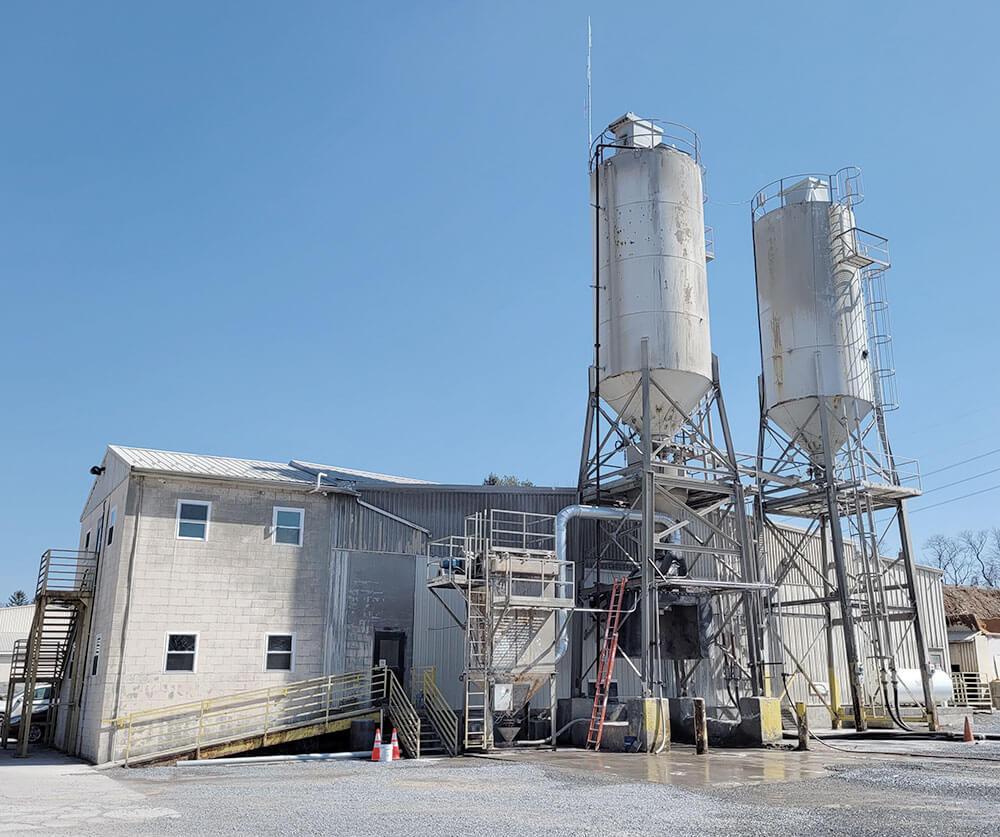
<point x="975" y="546"/>
<point x="949" y="556"/>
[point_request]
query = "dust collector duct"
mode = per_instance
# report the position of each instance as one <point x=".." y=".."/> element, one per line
<point x="562" y="539"/>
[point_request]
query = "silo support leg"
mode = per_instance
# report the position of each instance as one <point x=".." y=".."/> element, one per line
<point x="910" y="573"/>
<point x="840" y="568"/>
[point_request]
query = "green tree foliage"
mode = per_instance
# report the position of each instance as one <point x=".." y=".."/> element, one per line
<point x="17" y="598"/>
<point x="506" y="479"/>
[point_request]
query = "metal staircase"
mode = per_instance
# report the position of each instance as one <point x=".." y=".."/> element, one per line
<point x="439" y="725"/>
<point x="58" y="635"/>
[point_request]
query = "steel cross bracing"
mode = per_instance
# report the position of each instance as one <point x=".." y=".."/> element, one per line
<point x="517" y="599"/>
<point x="857" y="593"/>
<point x="694" y="537"/>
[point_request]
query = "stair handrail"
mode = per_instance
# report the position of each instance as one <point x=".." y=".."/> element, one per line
<point x="403" y="714"/>
<point x="443" y="718"/>
<point x="66" y="571"/>
<point x="190" y="726"/>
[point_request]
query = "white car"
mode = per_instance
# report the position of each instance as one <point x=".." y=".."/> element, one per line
<point x="39" y="713"/>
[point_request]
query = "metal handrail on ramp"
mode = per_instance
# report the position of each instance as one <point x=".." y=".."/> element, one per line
<point x="258" y="718"/>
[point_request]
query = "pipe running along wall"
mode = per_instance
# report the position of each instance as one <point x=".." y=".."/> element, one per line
<point x="562" y="541"/>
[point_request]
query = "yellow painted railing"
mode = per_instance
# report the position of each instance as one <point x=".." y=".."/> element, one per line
<point x="443" y="719"/>
<point x="190" y="727"/>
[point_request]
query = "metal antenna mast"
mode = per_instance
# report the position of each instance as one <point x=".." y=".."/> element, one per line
<point x="590" y="116"/>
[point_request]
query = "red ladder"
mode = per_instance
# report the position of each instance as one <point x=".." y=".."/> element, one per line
<point x="606" y="664"/>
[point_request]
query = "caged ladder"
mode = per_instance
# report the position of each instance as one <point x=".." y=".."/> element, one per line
<point x="606" y="664"/>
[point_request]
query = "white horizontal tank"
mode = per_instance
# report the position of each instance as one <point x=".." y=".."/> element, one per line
<point x="811" y="311"/>
<point x="650" y="243"/>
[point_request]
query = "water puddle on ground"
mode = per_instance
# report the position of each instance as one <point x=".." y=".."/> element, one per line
<point x="682" y="767"/>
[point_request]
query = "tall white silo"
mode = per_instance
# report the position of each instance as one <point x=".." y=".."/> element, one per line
<point x="811" y="308"/>
<point x="650" y="253"/>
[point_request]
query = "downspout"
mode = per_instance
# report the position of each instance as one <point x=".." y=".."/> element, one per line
<point x="130" y="583"/>
<point x="562" y="539"/>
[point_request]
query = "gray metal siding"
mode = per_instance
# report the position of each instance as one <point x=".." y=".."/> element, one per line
<point x="358" y="528"/>
<point x="441" y="509"/>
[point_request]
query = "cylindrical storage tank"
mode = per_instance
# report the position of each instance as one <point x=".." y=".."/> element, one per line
<point x="811" y="312"/>
<point x="911" y="686"/>
<point x="650" y="251"/>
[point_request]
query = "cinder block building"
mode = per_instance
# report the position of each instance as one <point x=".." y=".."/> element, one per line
<point x="220" y="575"/>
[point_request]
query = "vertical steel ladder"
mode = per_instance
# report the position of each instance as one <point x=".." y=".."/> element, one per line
<point x="606" y="664"/>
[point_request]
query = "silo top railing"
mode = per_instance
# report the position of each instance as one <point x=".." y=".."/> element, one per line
<point x="674" y="134"/>
<point x="845" y="188"/>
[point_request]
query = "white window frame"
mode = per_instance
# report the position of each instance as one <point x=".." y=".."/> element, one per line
<point x="274" y="524"/>
<point x="166" y="645"/>
<point x="267" y="639"/>
<point x="208" y="519"/>
<point x="112" y="522"/>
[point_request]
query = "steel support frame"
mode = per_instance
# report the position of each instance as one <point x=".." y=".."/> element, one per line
<point x="839" y="510"/>
<point x="642" y="486"/>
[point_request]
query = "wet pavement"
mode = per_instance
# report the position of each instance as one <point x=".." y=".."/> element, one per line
<point x="682" y="767"/>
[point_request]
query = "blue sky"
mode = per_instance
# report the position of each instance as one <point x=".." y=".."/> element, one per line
<point x="318" y="231"/>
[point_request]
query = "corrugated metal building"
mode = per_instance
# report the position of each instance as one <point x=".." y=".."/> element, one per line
<point x="15" y="622"/>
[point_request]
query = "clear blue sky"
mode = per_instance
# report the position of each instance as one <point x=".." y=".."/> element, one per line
<point x="360" y="235"/>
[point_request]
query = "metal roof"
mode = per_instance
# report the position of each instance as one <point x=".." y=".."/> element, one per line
<point x="219" y="467"/>
<point x="253" y="470"/>
<point x="353" y="475"/>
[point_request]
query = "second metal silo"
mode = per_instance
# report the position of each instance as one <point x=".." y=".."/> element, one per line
<point x="823" y="449"/>
<point x="814" y="340"/>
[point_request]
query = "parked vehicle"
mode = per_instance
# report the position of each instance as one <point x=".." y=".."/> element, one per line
<point x="40" y="705"/>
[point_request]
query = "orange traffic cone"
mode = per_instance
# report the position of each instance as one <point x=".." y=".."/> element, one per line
<point x="967" y="733"/>
<point x="395" y="744"/>
<point x="377" y="749"/>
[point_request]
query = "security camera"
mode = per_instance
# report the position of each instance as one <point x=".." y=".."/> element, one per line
<point x="97" y="470"/>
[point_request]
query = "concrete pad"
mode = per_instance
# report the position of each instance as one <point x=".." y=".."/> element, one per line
<point x="49" y="791"/>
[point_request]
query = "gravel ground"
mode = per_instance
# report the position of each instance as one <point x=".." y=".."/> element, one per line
<point x="537" y="794"/>
<point x="470" y="795"/>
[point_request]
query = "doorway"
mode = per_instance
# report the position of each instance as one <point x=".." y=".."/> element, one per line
<point x="390" y="646"/>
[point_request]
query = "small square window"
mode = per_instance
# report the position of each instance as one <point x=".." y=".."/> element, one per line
<point x="192" y="519"/>
<point x="287" y="525"/>
<point x="280" y="654"/>
<point x="181" y="652"/>
<point x="97" y="655"/>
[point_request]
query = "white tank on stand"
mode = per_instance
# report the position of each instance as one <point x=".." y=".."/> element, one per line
<point x="650" y="240"/>
<point x="811" y="309"/>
